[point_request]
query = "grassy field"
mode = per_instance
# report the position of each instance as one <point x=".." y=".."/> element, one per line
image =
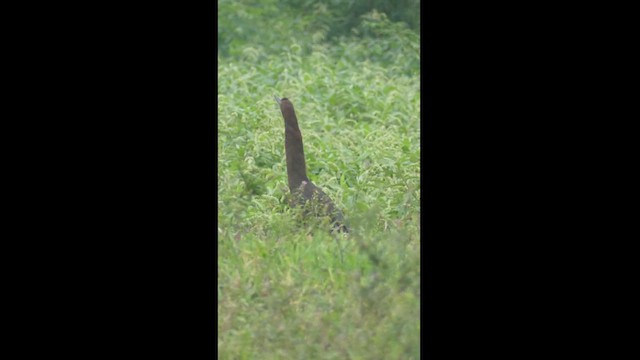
<point x="292" y="290"/>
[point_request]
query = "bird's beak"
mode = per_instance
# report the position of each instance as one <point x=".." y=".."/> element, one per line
<point x="277" y="99"/>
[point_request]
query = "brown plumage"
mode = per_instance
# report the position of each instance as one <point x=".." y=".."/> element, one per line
<point x="300" y="186"/>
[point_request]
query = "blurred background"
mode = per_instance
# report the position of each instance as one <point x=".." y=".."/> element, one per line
<point x="289" y="289"/>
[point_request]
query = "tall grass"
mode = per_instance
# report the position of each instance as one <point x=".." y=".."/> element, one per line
<point x="289" y="289"/>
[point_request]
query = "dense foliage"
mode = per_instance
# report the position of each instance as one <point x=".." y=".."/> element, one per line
<point x="289" y="289"/>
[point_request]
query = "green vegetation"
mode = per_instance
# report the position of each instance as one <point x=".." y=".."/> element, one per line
<point x="289" y="289"/>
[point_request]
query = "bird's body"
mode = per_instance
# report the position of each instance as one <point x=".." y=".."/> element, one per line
<point x="303" y="190"/>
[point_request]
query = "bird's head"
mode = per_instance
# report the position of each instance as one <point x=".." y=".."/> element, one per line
<point x="279" y="101"/>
